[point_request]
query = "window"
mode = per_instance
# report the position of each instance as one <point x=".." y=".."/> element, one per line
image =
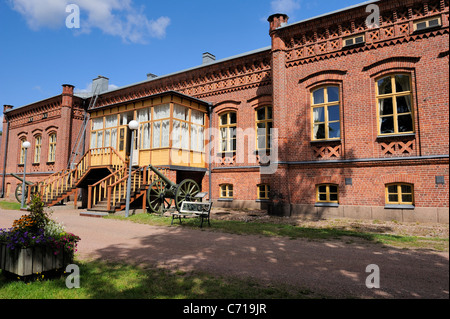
<point x="161" y="126"/>
<point x="52" y="148"/>
<point x="226" y="191"/>
<point x="227" y="126"/>
<point x="399" y="194"/>
<point x="180" y="130"/>
<point x="327" y="193"/>
<point x="427" y="24"/>
<point x="264" y="124"/>
<point x="325" y="113"/>
<point x="197" y="131"/>
<point x="22" y="151"/>
<point x="394" y="100"/>
<point x="353" y="40"/>
<point x="37" y="149"/>
<point x="144" y="117"/>
<point x="263" y="191"/>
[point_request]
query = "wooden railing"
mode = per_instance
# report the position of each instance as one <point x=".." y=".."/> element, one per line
<point x="60" y="183"/>
<point x="98" y="191"/>
<point x="141" y="178"/>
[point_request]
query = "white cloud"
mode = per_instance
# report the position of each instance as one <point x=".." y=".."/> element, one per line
<point x="285" y="6"/>
<point x="119" y="18"/>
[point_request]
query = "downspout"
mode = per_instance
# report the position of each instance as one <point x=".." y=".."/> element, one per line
<point x="5" y="156"/>
<point x="210" y="149"/>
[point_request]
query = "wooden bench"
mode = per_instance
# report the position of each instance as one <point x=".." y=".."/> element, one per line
<point x="197" y="209"/>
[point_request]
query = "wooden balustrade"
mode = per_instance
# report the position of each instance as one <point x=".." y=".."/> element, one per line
<point x="62" y="182"/>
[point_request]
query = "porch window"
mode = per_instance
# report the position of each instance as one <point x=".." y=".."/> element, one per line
<point x="161" y="126"/>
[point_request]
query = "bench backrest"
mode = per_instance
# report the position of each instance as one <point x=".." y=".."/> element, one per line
<point x="195" y="207"/>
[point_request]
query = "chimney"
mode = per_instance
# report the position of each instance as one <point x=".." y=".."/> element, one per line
<point x="6" y="108"/>
<point x="67" y="95"/>
<point x="277" y="20"/>
<point x="100" y="84"/>
<point x="208" y="58"/>
<point x="151" y="76"/>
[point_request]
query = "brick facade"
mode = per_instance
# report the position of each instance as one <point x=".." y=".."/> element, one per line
<point x="303" y="57"/>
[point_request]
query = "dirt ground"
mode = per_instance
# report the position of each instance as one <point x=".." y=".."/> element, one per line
<point x="371" y="226"/>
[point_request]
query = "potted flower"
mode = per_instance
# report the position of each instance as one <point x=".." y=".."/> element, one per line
<point x="35" y="243"/>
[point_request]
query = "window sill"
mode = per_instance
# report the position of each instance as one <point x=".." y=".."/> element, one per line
<point x="326" y="205"/>
<point x="225" y="200"/>
<point x="326" y="141"/>
<point x="50" y="163"/>
<point x="265" y="200"/>
<point x="410" y="135"/>
<point x="36" y="164"/>
<point x="394" y="206"/>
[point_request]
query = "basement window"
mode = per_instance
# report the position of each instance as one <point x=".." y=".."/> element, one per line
<point x="430" y="23"/>
<point x="354" y="40"/>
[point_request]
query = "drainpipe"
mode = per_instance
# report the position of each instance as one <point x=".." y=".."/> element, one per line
<point x="210" y="149"/>
<point x="5" y="156"/>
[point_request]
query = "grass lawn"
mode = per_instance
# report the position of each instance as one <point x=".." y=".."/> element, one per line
<point x="294" y="231"/>
<point x="101" y="280"/>
<point x="9" y="205"/>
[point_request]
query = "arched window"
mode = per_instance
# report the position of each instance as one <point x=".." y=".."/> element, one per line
<point x="327" y="193"/>
<point x="52" y="147"/>
<point x="227" y="127"/>
<point x="264" y="124"/>
<point x="226" y="191"/>
<point x="325" y="103"/>
<point x="394" y="100"/>
<point x="37" y="149"/>
<point x="399" y="194"/>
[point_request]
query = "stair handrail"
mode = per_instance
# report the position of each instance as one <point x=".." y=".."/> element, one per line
<point x="93" y="199"/>
<point x="122" y="185"/>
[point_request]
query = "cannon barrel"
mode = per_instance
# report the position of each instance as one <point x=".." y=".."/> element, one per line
<point x="20" y="179"/>
<point x="161" y="175"/>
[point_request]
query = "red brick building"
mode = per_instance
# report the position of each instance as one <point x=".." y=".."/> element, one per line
<point x="360" y="113"/>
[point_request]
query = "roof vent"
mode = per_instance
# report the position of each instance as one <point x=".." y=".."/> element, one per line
<point x="100" y="84"/>
<point x="151" y="76"/>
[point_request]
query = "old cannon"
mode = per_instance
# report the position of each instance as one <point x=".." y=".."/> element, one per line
<point x="164" y="195"/>
<point x="18" y="193"/>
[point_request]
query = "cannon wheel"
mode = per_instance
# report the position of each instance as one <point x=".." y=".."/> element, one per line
<point x="186" y="191"/>
<point x="18" y="193"/>
<point x="156" y="199"/>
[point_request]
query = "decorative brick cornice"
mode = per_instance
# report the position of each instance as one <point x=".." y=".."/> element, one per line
<point x="233" y="75"/>
<point x="322" y="39"/>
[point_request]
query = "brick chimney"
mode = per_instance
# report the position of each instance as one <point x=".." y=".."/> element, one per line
<point x="6" y="108"/>
<point x="276" y="21"/>
<point x="67" y="95"/>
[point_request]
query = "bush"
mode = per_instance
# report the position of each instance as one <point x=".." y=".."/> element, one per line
<point x="38" y="229"/>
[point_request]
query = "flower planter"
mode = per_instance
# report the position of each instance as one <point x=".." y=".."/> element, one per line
<point x="28" y="261"/>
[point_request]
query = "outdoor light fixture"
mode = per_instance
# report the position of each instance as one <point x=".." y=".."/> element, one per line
<point x="26" y="145"/>
<point x="133" y="125"/>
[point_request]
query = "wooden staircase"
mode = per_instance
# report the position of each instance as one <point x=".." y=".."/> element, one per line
<point x="109" y="194"/>
<point x="64" y="183"/>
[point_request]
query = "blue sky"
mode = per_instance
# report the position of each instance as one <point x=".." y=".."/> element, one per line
<point x="126" y="39"/>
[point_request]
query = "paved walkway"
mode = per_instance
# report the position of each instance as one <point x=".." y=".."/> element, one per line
<point x="332" y="268"/>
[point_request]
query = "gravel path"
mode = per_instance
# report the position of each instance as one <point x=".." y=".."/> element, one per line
<point x="331" y="268"/>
